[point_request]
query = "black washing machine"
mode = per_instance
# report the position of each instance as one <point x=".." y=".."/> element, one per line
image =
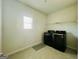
<point x="55" y="39"/>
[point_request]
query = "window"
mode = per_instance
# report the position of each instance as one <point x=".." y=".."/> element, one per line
<point x="27" y="22"/>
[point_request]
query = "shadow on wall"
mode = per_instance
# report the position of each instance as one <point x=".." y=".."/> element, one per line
<point x="72" y="41"/>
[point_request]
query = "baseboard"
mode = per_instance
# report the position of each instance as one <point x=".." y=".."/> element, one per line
<point x="21" y="49"/>
<point x="72" y="48"/>
<point x="1" y="52"/>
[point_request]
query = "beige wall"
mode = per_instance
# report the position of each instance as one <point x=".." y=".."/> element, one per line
<point x="65" y="19"/>
<point x="14" y="35"/>
<point x="0" y="25"/>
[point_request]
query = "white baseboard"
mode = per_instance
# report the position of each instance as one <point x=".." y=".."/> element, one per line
<point x="71" y="48"/>
<point x="21" y="49"/>
<point x="30" y="45"/>
<point x="1" y="53"/>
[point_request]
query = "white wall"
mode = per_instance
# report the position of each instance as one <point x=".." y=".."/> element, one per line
<point x="14" y="35"/>
<point x="65" y="19"/>
<point x="0" y="26"/>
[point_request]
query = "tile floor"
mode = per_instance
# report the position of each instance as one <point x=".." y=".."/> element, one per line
<point x="45" y="52"/>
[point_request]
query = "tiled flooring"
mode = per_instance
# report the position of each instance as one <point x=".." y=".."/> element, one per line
<point x="45" y="52"/>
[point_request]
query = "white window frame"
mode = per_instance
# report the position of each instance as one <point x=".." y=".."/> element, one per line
<point x="27" y="22"/>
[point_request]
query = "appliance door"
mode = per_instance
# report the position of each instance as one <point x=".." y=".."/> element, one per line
<point x="59" y="42"/>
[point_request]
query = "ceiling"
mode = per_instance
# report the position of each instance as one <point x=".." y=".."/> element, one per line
<point x="48" y="6"/>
